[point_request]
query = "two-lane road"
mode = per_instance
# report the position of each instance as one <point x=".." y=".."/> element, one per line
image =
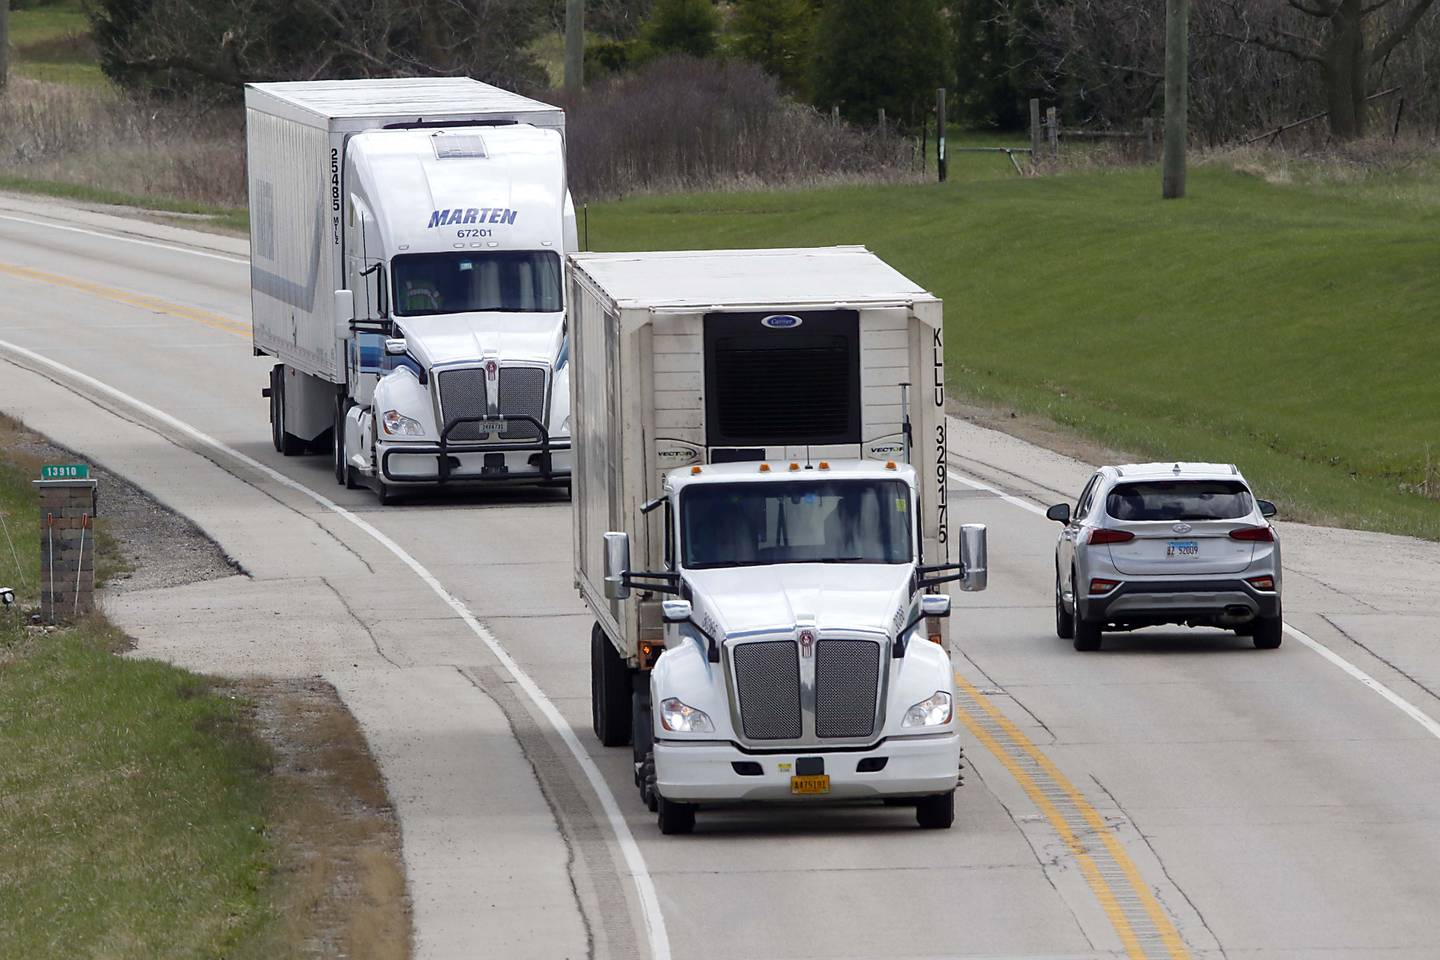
<point x="1179" y="794"/>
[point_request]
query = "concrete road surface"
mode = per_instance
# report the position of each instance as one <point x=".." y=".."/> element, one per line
<point x="1178" y="794"/>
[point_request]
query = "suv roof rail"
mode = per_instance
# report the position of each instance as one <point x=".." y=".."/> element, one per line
<point x="1234" y="470"/>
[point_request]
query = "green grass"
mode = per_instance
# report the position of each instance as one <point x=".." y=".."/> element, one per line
<point x="131" y="821"/>
<point x="229" y="218"/>
<point x="52" y="42"/>
<point x="1290" y="328"/>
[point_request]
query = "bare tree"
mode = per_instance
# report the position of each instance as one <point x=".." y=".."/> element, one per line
<point x="1334" y="35"/>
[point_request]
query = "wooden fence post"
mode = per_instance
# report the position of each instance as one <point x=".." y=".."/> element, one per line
<point x="1052" y="131"/>
<point x="835" y="116"/>
<point x="881" y="119"/>
<point x="1034" y="131"/>
<point x="1147" y="131"/>
<point x="940" y="132"/>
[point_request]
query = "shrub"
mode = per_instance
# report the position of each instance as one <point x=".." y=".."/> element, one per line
<point x="683" y="26"/>
<point x="880" y="53"/>
<point x="680" y="123"/>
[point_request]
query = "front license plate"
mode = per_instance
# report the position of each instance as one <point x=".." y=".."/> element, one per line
<point x="810" y="786"/>
<point x="1182" y="549"/>
<point x="492" y="426"/>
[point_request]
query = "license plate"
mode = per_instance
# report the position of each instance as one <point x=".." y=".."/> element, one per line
<point x="492" y="426"/>
<point x="1182" y="548"/>
<point x="810" y="786"/>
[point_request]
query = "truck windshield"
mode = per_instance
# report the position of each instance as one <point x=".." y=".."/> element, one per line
<point x="802" y="521"/>
<point x="513" y="281"/>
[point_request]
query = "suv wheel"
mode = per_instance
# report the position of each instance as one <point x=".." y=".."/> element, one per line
<point x="1268" y="632"/>
<point x="1087" y="635"/>
<point x="1064" y="619"/>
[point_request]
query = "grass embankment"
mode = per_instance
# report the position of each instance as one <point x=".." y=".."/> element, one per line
<point x="149" y="812"/>
<point x="1285" y="326"/>
<point x="51" y="42"/>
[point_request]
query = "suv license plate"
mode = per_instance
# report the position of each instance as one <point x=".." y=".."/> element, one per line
<point x="1182" y="549"/>
<point x="492" y="426"/>
<point x="810" y="786"/>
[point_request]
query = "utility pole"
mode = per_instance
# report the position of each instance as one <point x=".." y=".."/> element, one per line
<point x="940" y="131"/>
<point x="1177" y="95"/>
<point x="4" y="42"/>
<point x="574" y="45"/>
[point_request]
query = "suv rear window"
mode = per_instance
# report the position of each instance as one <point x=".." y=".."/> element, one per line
<point x="1180" y="500"/>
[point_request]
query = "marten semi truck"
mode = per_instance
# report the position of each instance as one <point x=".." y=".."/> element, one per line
<point x="407" y="244"/>
<point x="762" y="529"/>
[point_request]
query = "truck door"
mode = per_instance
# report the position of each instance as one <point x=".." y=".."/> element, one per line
<point x="364" y="276"/>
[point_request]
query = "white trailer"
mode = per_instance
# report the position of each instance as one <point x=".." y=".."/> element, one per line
<point x="407" y="256"/>
<point x="760" y="518"/>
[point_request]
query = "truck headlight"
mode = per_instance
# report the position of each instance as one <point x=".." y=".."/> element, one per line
<point x="680" y="717"/>
<point x="933" y="711"/>
<point x="398" y="425"/>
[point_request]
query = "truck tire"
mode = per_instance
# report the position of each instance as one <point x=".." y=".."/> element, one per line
<point x="1064" y="619"/>
<point x="610" y="696"/>
<point x="1087" y="635"/>
<point x="936" y="812"/>
<point x="286" y="443"/>
<point x="337" y="442"/>
<point x="675" y="818"/>
<point x="1268" y="632"/>
<point x="642" y="730"/>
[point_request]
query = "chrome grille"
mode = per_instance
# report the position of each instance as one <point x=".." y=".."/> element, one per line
<point x="847" y="676"/>
<point x="767" y="679"/>
<point x="462" y="394"/>
<point x="522" y="392"/>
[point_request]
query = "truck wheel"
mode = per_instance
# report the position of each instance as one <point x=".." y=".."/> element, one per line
<point x="675" y="817"/>
<point x="936" y="812"/>
<point x="642" y="730"/>
<point x="337" y="443"/>
<point x="1064" y="619"/>
<point x="1087" y="634"/>
<point x="648" y="791"/>
<point x="610" y="695"/>
<point x="1268" y="632"/>
<point x="286" y="443"/>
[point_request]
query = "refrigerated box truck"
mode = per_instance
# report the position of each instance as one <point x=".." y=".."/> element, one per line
<point x="762" y="529"/>
<point x="407" y="244"/>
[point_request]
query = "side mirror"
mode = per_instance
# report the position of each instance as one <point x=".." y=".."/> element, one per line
<point x="1267" y="509"/>
<point x="973" y="557"/>
<point x="1060" y="513"/>
<point x="396" y="346"/>
<point x="617" y="565"/>
<point x="935" y="605"/>
<point x="675" y="611"/>
<point x="344" y="312"/>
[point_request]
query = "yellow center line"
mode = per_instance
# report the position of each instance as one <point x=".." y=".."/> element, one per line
<point x="1169" y="935"/>
<point x="153" y="304"/>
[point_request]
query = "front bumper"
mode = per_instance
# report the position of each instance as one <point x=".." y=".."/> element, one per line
<point x="474" y="463"/>
<point x="1175" y="601"/>
<point x="915" y="766"/>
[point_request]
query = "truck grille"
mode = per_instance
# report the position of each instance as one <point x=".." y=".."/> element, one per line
<point x="767" y="680"/>
<point x="462" y="394"/>
<point x="847" y="676"/>
<point x="522" y="392"/>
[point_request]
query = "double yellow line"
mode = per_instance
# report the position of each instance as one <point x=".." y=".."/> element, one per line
<point x="1013" y="749"/>
<point x="153" y="304"/>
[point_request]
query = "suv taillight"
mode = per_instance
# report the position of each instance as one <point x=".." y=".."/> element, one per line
<point x="1253" y="534"/>
<point x="1100" y="536"/>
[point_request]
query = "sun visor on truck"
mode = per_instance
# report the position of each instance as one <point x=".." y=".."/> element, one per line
<point x="782" y="378"/>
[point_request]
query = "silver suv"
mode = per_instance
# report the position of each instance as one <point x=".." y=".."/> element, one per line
<point x="1155" y="543"/>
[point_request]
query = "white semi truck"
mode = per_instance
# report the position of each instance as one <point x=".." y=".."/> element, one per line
<point x="407" y="244"/>
<point x="762" y="527"/>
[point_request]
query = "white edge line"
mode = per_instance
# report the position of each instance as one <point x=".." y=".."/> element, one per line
<point x="124" y="239"/>
<point x="634" y="859"/>
<point x="1404" y="706"/>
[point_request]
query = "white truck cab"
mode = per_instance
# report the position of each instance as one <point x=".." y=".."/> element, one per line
<point x="762" y="530"/>
<point x="436" y="210"/>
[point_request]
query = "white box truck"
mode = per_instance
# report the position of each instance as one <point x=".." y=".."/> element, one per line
<point x="761" y="526"/>
<point x="407" y="244"/>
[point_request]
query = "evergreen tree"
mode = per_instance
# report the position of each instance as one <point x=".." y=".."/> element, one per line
<point x="880" y="53"/>
<point x="996" y="63"/>
<point x="777" y="35"/>
<point x="683" y="26"/>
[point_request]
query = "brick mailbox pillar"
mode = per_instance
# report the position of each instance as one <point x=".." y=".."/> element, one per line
<point x="67" y="548"/>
